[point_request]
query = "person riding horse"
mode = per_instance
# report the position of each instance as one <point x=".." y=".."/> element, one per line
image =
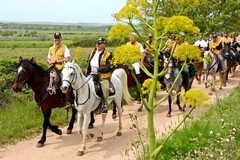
<point x="57" y="55"/>
<point x="99" y="65"/>
<point x="215" y="46"/>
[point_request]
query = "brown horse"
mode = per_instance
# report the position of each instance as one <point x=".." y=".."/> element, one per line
<point x="38" y="80"/>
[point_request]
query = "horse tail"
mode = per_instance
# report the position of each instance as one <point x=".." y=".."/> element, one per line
<point x="122" y="75"/>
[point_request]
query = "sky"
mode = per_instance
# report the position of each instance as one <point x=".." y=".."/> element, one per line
<point x="68" y="11"/>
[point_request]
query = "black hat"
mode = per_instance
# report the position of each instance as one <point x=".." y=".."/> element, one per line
<point x="101" y="40"/>
<point x="57" y="35"/>
<point x="214" y="36"/>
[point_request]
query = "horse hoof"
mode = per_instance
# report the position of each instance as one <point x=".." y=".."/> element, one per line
<point x="114" y="116"/>
<point x="99" y="139"/>
<point x="140" y="109"/>
<point x="90" y="126"/>
<point x="80" y="153"/>
<point x="90" y="135"/>
<point x="59" y="132"/>
<point x="69" y="131"/>
<point x="39" y="145"/>
<point x="220" y="88"/>
<point x="119" y="133"/>
<point x="168" y="115"/>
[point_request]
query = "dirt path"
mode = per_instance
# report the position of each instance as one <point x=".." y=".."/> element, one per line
<point x="66" y="146"/>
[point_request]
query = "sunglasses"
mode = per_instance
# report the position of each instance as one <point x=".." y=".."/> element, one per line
<point x="57" y="37"/>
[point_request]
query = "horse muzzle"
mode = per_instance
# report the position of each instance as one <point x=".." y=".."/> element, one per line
<point x="64" y="89"/>
<point x="15" y="87"/>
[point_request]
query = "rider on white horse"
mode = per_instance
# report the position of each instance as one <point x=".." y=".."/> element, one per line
<point x="99" y="64"/>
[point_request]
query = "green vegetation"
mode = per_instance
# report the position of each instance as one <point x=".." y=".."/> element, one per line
<point x="214" y="135"/>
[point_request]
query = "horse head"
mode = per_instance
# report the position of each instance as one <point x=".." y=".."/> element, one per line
<point x="22" y="74"/>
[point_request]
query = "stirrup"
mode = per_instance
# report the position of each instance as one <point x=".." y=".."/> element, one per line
<point x="104" y="109"/>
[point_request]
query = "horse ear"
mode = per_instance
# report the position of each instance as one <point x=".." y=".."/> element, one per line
<point x="20" y="59"/>
<point x="32" y="60"/>
<point x="73" y="62"/>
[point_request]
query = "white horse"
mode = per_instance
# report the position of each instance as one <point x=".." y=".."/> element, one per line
<point x="211" y="68"/>
<point x="86" y="99"/>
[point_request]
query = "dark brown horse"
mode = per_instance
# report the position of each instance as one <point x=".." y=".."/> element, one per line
<point x="38" y="80"/>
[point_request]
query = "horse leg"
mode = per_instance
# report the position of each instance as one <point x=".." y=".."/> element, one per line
<point x="141" y="106"/>
<point x="114" y="114"/>
<point x="104" y="115"/>
<point x="92" y="120"/>
<point x="119" y="106"/>
<point x="46" y="123"/>
<point x="178" y="103"/>
<point x="86" y="119"/>
<point x="80" y="122"/>
<point x="71" y="123"/>
<point x="169" y="106"/>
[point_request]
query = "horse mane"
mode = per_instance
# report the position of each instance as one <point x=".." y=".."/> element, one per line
<point x="26" y="62"/>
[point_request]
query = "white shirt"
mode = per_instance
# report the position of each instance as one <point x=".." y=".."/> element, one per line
<point x="66" y="53"/>
<point x="94" y="61"/>
<point x="201" y="43"/>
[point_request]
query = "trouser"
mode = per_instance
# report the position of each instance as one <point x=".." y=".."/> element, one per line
<point x="105" y="90"/>
<point x="220" y="57"/>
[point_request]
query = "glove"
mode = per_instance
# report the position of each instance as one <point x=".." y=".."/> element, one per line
<point x="167" y="76"/>
<point x="213" y="47"/>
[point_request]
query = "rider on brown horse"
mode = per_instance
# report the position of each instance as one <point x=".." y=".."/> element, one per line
<point x="57" y="55"/>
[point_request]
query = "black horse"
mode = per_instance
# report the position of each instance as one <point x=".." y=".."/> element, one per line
<point x="38" y="80"/>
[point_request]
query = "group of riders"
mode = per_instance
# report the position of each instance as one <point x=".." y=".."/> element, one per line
<point x="99" y="60"/>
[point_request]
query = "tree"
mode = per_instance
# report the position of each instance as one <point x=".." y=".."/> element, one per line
<point x="133" y="12"/>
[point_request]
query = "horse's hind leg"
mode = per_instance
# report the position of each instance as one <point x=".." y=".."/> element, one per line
<point x="119" y="106"/>
<point x="114" y="114"/>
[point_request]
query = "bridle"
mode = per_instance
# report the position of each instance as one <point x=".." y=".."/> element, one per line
<point x="73" y="81"/>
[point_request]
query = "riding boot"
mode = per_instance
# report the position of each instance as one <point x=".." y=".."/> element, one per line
<point x="69" y="99"/>
<point x="104" y="108"/>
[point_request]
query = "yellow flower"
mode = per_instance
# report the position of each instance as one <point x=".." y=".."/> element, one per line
<point x="195" y="97"/>
<point x="128" y="12"/>
<point x="119" y="32"/>
<point x="177" y="24"/>
<point x="78" y="52"/>
<point x="146" y="86"/>
<point x="126" y="55"/>
<point x="187" y="51"/>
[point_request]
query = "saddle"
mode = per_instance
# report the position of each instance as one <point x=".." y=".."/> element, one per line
<point x="98" y="88"/>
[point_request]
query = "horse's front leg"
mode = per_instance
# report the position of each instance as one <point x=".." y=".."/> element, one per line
<point x="46" y="124"/>
<point x="178" y="103"/>
<point x="86" y="120"/>
<point x="71" y="123"/>
<point x="213" y="83"/>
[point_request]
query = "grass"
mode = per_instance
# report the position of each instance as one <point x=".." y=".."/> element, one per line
<point x="20" y="120"/>
<point x="214" y="135"/>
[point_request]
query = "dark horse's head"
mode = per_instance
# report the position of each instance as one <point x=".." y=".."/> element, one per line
<point x="22" y="74"/>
